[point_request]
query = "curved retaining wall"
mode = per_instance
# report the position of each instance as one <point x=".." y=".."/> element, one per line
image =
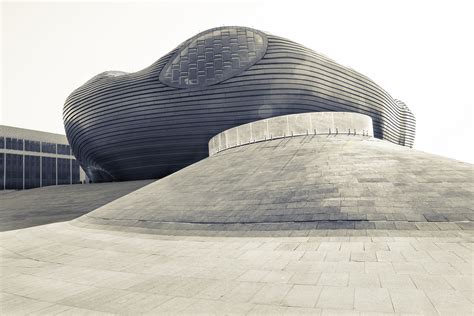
<point x="320" y="123"/>
<point x="148" y="124"/>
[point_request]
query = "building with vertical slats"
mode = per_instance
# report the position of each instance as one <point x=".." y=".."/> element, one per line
<point x="31" y="159"/>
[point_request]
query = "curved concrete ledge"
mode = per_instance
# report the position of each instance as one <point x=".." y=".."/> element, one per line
<point x="314" y="123"/>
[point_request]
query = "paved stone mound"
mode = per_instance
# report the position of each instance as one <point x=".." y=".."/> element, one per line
<point x="301" y="185"/>
<point x="20" y="209"/>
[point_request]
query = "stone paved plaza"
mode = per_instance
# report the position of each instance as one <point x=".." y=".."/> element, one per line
<point x="317" y="224"/>
<point x="65" y="269"/>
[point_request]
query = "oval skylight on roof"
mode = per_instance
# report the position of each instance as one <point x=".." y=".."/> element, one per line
<point x="214" y="56"/>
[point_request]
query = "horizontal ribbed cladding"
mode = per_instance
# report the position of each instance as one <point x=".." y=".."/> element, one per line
<point x="133" y="126"/>
<point x="408" y="125"/>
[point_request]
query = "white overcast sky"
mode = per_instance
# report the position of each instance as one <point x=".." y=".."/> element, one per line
<point x="419" y="51"/>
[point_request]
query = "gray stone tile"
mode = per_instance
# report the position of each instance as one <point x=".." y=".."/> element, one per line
<point x="336" y="298"/>
<point x="433" y="217"/>
<point x="379" y="267"/>
<point x="253" y="275"/>
<point x="174" y="305"/>
<point x="466" y="225"/>
<point x="447" y="226"/>
<point x="217" y="307"/>
<point x="329" y="246"/>
<point x="396" y="281"/>
<point x="364" y="280"/>
<point x="413" y="217"/>
<point x="363" y="256"/>
<point x="385" y="225"/>
<point x="390" y="256"/>
<point x="364" y="225"/>
<point x="314" y="255"/>
<point x="418" y="256"/>
<point x="408" y="268"/>
<point x="444" y="256"/>
<point x="375" y="246"/>
<point x="337" y="256"/>
<point x="405" y="226"/>
<point x="427" y="226"/>
<point x="243" y="292"/>
<point x="302" y="311"/>
<point x="305" y="278"/>
<point x="23" y="305"/>
<point x="278" y="277"/>
<point x="460" y="283"/>
<point x="271" y="294"/>
<point x="302" y="296"/>
<point x="216" y="290"/>
<point x="350" y="267"/>
<point x="440" y="268"/>
<point x="373" y="300"/>
<point x="320" y="267"/>
<point x="268" y="310"/>
<point x="450" y="302"/>
<point x="376" y="217"/>
<point x="333" y="279"/>
<point x="68" y="310"/>
<point x="352" y="246"/>
<point x="411" y="301"/>
<point x="429" y="282"/>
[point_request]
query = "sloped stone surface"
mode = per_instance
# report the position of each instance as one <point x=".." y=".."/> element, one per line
<point x="304" y="184"/>
<point x="51" y="204"/>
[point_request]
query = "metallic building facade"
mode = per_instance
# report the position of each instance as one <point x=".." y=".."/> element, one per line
<point x="151" y="123"/>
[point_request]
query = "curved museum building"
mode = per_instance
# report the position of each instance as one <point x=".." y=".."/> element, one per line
<point x="151" y="123"/>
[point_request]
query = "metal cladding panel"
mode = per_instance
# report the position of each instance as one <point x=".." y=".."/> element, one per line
<point x="151" y="123"/>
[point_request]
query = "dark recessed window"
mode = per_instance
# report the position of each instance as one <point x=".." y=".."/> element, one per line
<point x="75" y="172"/>
<point x="31" y="145"/>
<point x="48" y="171"/>
<point x="32" y="171"/>
<point x="14" y="172"/>
<point x="2" y="170"/>
<point x="64" y="149"/>
<point x="14" y="143"/>
<point x="48" y="148"/>
<point x="64" y="171"/>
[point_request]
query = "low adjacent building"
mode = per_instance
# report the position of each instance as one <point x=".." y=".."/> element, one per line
<point x="31" y="159"/>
